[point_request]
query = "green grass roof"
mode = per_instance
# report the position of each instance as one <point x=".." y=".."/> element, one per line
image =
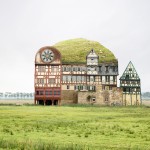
<point x="76" y="50"/>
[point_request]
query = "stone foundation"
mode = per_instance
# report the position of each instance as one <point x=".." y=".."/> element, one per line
<point x="101" y="97"/>
<point x="69" y="96"/>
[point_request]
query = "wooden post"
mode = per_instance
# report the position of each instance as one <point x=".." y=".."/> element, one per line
<point x="125" y="100"/>
<point x="131" y="95"/>
<point x="136" y="97"/>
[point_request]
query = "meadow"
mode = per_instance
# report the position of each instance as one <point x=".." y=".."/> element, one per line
<point x="74" y="127"/>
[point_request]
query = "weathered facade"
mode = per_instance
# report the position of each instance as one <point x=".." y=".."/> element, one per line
<point x="131" y="85"/>
<point x="60" y="79"/>
<point x="48" y="76"/>
<point x="57" y="83"/>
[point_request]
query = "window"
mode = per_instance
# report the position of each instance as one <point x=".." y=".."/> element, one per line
<point x="93" y="99"/>
<point x="69" y="78"/>
<point x="103" y="79"/>
<point x="64" y="78"/>
<point x="106" y="99"/>
<point x="52" y="81"/>
<point x="75" y="87"/>
<point x="74" y="68"/>
<point x="56" y="92"/>
<point x="91" y="88"/>
<point x="69" y="68"/>
<point x="78" y="78"/>
<point x="110" y="87"/>
<point x="124" y="89"/>
<point x="81" y="87"/>
<point x="41" y="68"/>
<point x="106" y="68"/>
<point x="100" y="68"/>
<point x="111" y="79"/>
<point x="48" y="92"/>
<point x="127" y="76"/>
<point x="114" y="78"/>
<point x="40" y="81"/>
<point x="84" y="87"/>
<point x="64" y="68"/>
<point x="79" y="69"/>
<point x="113" y="68"/>
<point x="130" y="69"/>
<point x="52" y="68"/>
<point x="74" y="78"/>
<point x="41" y="93"/>
<point x="107" y="78"/>
<point x="92" y="79"/>
<point x="83" y="79"/>
<point x="100" y="78"/>
<point x="83" y="69"/>
<point x="68" y="86"/>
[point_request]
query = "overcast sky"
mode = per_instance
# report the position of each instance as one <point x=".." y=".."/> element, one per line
<point x="123" y="26"/>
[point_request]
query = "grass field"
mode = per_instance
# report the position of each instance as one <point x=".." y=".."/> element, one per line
<point x="69" y="127"/>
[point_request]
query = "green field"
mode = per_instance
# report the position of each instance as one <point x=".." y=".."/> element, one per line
<point x="69" y="127"/>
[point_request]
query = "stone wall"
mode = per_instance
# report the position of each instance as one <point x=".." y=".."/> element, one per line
<point x="69" y="96"/>
<point x="101" y="97"/>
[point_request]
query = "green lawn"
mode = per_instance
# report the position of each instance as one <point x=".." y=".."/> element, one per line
<point x="64" y="127"/>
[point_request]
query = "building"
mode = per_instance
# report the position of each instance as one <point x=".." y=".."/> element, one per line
<point x="131" y="84"/>
<point x="76" y="71"/>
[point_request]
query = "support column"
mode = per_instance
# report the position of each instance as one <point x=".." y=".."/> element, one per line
<point x="52" y="102"/>
<point x="34" y="101"/>
<point x="125" y="100"/>
<point x="44" y="102"/>
<point x="136" y="97"/>
<point x="59" y="102"/>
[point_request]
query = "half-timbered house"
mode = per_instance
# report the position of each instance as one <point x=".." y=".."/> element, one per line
<point x="131" y="84"/>
<point x="76" y="71"/>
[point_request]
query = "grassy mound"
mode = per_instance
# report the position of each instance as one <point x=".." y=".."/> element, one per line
<point x="76" y="50"/>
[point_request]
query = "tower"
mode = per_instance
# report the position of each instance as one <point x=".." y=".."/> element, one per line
<point x="131" y="84"/>
<point x="47" y="75"/>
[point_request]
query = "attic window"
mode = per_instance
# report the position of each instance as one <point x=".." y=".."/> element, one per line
<point x="130" y="69"/>
<point x="127" y="76"/>
<point x="106" y="68"/>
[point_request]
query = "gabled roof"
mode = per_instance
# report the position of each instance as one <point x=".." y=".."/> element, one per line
<point x="130" y="73"/>
<point x="92" y="54"/>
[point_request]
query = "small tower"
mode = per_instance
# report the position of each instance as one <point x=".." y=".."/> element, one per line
<point x="92" y="62"/>
<point x="131" y="85"/>
<point x="47" y="76"/>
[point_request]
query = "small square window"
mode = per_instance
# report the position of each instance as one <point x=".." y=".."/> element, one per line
<point x="130" y="69"/>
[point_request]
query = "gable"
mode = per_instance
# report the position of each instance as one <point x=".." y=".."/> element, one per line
<point x="130" y="73"/>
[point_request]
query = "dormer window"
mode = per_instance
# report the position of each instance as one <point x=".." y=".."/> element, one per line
<point x="92" y="58"/>
<point x="130" y="69"/>
<point x="106" y="68"/>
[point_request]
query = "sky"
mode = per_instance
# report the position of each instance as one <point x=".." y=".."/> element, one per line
<point x="123" y="26"/>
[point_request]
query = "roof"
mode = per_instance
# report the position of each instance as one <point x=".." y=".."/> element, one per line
<point x="76" y="50"/>
<point x="130" y="73"/>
